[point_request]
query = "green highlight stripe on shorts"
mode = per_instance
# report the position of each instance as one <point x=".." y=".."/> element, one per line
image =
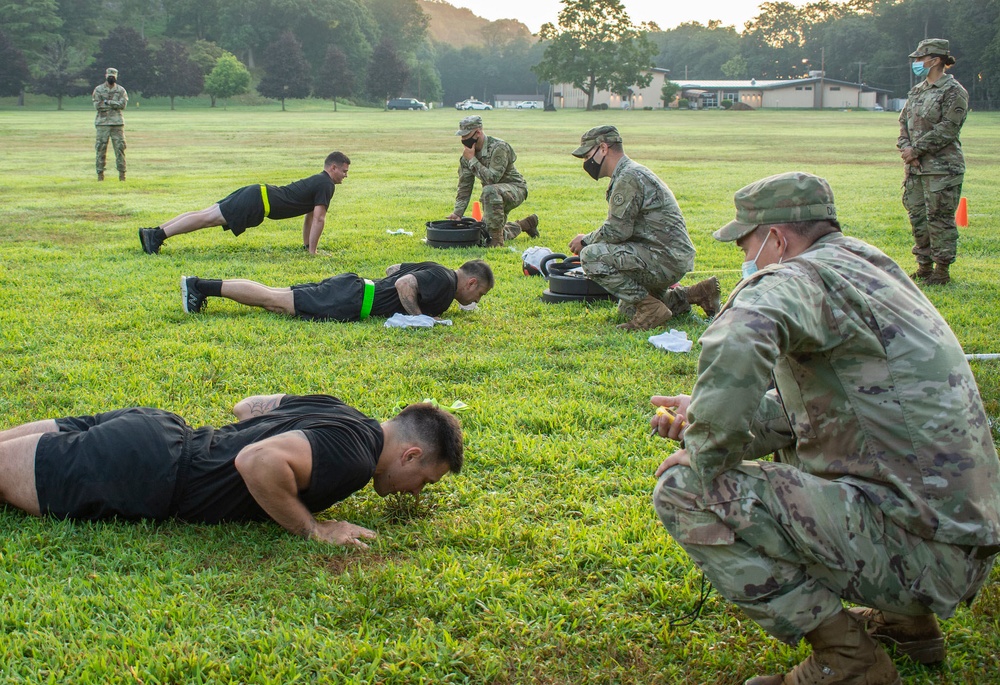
<point x="368" y="300"/>
<point x="263" y="196"/>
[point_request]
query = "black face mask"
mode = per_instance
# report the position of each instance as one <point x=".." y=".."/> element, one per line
<point x="111" y="80"/>
<point x="593" y="167"/>
<point x="470" y="141"/>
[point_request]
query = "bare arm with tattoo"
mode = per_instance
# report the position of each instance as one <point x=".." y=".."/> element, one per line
<point x="257" y="405"/>
<point x="408" y="291"/>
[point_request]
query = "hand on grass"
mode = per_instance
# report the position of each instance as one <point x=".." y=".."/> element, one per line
<point x="342" y="533"/>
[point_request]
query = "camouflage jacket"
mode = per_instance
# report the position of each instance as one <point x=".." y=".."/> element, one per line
<point x="930" y="123"/>
<point x="491" y="165"/>
<point x="641" y="209"/>
<point x="109" y="103"/>
<point x="871" y="388"/>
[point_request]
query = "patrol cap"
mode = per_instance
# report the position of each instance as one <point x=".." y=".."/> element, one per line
<point x="931" y="46"/>
<point x="595" y="136"/>
<point x="111" y="72"/>
<point x="469" y="124"/>
<point x="784" y="198"/>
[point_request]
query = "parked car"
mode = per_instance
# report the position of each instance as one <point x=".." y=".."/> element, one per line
<point x="527" y="104"/>
<point x="472" y="104"/>
<point x="878" y="108"/>
<point x="405" y="103"/>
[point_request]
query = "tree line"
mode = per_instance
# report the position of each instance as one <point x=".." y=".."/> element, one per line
<point x="370" y="50"/>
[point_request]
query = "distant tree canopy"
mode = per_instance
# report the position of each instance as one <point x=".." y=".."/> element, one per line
<point x="456" y="54"/>
<point x="176" y="73"/>
<point x="334" y="78"/>
<point x="286" y="71"/>
<point x="15" y="72"/>
<point x="228" y="78"/>
<point x="596" y="47"/>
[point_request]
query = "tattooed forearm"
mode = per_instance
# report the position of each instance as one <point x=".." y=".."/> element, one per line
<point x="258" y="406"/>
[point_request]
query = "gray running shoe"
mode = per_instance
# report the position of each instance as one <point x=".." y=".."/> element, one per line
<point x="191" y="298"/>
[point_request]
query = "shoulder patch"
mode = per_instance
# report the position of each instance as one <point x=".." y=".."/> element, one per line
<point x="618" y="199"/>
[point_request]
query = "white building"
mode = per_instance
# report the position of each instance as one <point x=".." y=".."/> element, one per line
<point x="812" y="92"/>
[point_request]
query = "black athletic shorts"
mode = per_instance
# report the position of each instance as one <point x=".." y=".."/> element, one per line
<point x="121" y="463"/>
<point x="242" y="209"/>
<point x="337" y="298"/>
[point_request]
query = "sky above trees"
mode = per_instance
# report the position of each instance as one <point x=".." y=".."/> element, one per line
<point x="665" y="13"/>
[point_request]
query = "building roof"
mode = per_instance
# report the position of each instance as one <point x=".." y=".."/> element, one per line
<point x="765" y="84"/>
<point x="519" y="97"/>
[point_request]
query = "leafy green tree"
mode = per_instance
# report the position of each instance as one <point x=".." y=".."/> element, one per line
<point x="735" y="67"/>
<point x="228" y="78"/>
<point x="205" y="54"/>
<point x="668" y="92"/>
<point x="334" y="79"/>
<point x="401" y="22"/>
<point x="176" y="73"/>
<point x="15" y="72"/>
<point x="693" y="50"/>
<point x="129" y="53"/>
<point x="30" y="25"/>
<point x="286" y="71"/>
<point x="596" y="47"/>
<point x="198" y="19"/>
<point x="62" y="73"/>
<point x="388" y="72"/>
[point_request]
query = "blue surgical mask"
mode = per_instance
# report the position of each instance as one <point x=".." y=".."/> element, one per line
<point x="919" y="69"/>
<point x="750" y="268"/>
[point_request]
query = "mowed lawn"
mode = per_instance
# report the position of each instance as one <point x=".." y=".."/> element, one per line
<point x="544" y="560"/>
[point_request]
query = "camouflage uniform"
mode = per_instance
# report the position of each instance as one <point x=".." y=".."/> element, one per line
<point x="110" y="101"/>
<point x="643" y="246"/>
<point x="883" y="491"/>
<point x="930" y="123"/>
<point x="503" y="186"/>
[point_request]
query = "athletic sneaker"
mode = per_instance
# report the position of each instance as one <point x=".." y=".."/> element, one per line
<point x="150" y="243"/>
<point x="191" y="298"/>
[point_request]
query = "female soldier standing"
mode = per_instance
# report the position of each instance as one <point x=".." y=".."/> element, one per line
<point x="935" y="167"/>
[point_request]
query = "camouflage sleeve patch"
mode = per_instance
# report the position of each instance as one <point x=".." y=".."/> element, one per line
<point x="620" y="201"/>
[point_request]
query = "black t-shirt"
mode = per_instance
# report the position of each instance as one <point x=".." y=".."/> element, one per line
<point x="345" y="448"/>
<point x="436" y="288"/>
<point x="300" y="197"/>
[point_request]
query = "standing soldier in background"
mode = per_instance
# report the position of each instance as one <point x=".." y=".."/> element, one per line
<point x="935" y="167"/>
<point x="642" y="249"/>
<point x="110" y="100"/>
<point x="491" y="160"/>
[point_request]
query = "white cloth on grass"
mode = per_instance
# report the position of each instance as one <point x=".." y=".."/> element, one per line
<point x="414" y="321"/>
<point x="674" y="341"/>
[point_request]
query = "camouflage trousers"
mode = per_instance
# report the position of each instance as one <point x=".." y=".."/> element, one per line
<point x="931" y="201"/>
<point x="631" y="271"/>
<point x="787" y="547"/>
<point x="498" y="200"/>
<point x="117" y="136"/>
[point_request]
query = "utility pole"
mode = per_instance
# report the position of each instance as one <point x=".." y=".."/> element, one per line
<point x="860" y="64"/>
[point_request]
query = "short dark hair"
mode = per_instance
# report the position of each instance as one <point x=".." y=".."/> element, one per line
<point x="336" y="157"/>
<point x="809" y="230"/>
<point x="478" y="269"/>
<point x="437" y="431"/>
<point x="616" y="147"/>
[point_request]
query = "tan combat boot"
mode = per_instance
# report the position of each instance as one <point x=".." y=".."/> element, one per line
<point x="529" y="225"/>
<point x="705" y="294"/>
<point x="496" y="238"/>
<point x="940" y="275"/>
<point x="121" y="175"/>
<point x="918" y="637"/>
<point x="843" y="654"/>
<point x="100" y="175"/>
<point x="649" y="313"/>
<point x="923" y="272"/>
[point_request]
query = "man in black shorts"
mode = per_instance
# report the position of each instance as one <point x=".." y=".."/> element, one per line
<point x="287" y="458"/>
<point x="250" y="205"/>
<point x="420" y="288"/>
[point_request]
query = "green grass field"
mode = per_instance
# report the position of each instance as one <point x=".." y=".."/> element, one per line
<point x="544" y="560"/>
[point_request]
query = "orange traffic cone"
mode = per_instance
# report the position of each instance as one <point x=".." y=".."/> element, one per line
<point x="477" y="211"/>
<point x="962" y="215"/>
